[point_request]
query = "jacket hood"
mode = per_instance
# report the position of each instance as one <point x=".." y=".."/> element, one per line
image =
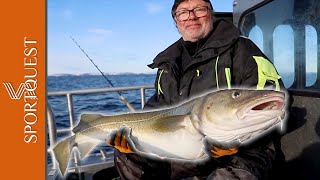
<point x="223" y="35"/>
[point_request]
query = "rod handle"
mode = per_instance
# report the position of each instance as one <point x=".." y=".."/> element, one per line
<point x="127" y="104"/>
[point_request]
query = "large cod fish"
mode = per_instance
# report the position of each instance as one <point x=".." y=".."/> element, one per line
<point x="178" y="132"/>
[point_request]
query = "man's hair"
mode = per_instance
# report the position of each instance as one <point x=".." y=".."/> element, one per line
<point x="177" y="2"/>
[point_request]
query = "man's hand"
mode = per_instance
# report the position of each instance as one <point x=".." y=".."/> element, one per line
<point x="120" y="139"/>
<point x="218" y="149"/>
<point x="217" y="152"/>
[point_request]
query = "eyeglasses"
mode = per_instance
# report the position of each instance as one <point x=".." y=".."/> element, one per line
<point x="184" y="14"/>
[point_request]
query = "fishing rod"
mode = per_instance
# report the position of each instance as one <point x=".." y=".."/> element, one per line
<point x="121" y="97"/>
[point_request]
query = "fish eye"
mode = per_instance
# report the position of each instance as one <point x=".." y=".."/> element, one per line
<point x="236" y="94"/>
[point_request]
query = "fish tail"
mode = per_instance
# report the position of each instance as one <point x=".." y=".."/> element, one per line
<point x="62" y="153"/>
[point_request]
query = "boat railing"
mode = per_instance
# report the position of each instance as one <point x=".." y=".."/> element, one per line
<point x="53" y="130"/>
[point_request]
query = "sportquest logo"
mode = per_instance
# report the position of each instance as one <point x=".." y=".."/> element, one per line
<point x="12" y="93"/>
<point x="16" y="94"/>
<point x="26" y="91"/>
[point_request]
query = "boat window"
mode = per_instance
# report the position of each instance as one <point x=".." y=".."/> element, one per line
<point x="256" y="36"/>
<point x="311" y="55"/>
<point x="283" y="53"/>
<point x="287" y="32"/>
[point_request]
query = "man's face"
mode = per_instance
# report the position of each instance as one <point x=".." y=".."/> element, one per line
<point x="194" y="28"/>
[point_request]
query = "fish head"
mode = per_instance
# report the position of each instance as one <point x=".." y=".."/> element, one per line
<point x="239" y="114"/>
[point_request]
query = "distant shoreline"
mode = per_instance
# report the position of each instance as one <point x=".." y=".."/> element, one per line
<point x="97" y="74"/>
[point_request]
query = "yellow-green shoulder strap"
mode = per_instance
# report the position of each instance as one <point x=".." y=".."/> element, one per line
<point x="228" y="77"/>
<point x="266" y="71"/>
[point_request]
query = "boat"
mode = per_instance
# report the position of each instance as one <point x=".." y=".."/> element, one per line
<point x="288" y="32"/>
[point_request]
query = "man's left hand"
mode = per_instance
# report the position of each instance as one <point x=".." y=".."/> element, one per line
<point x="218" y="149"/>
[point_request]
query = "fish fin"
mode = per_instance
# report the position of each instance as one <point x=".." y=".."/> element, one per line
<point x="86" y="146"/>
<point x="202" y="154"/>
<point x="170" y="123"/>
<point x="209" y="143"/>
<point x="85" y="119"/>
<point x="62" y="153"/>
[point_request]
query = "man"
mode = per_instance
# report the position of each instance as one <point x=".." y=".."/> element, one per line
<point x="210" y="55"/>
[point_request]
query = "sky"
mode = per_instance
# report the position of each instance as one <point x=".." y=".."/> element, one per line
<point x="119" y="36"/>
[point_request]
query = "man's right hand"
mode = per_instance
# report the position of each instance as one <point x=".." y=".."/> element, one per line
<point x="120" y="139"/>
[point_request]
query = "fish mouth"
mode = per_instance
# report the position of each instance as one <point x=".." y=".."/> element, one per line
<point x="274" y="101"/>
<point x="270" y="102"/>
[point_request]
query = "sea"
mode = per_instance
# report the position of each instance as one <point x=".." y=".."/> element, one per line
<point x="105" y="103"/>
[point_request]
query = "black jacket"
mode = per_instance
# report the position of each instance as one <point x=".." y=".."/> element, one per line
<point x="181" y="76"/>
<point x="225" y="45"/>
